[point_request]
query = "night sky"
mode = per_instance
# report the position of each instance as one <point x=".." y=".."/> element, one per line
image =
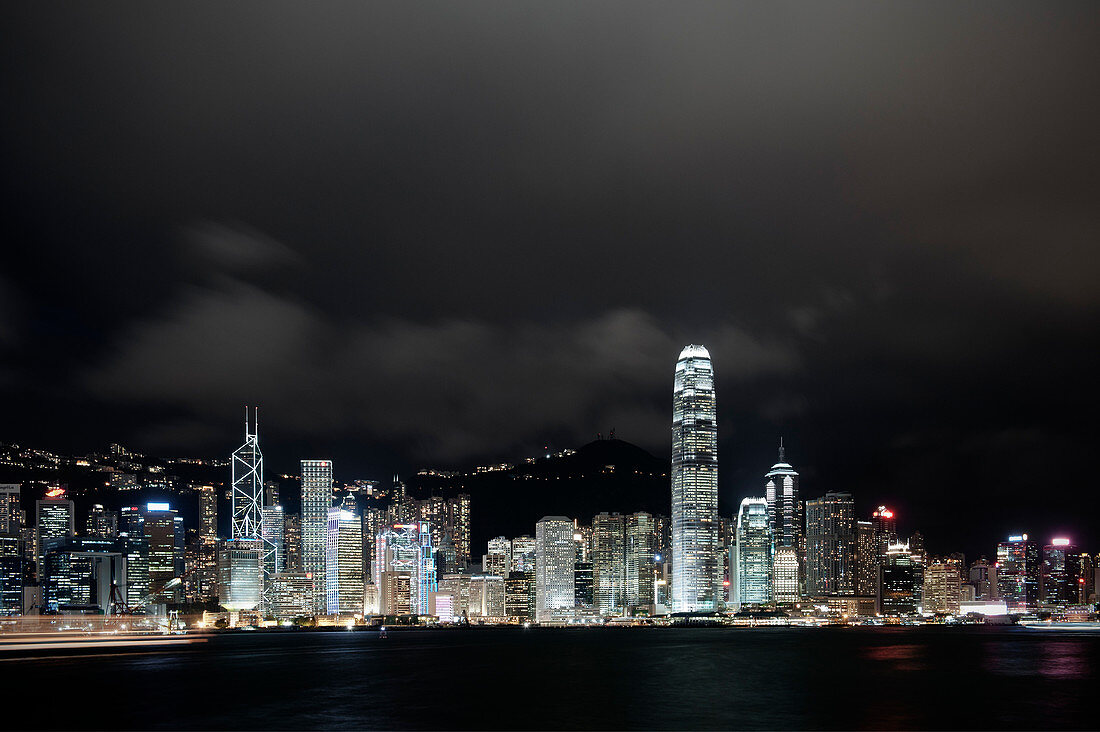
<point x="457" y="232"/>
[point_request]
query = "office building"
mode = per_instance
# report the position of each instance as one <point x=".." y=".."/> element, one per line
<point x="316" y="499"/>
<point x="10" y="508"/>
<point x="11" y="573"/>
<point x="1061" y="570"/>
<point x="291" y="595"/>
<point x="694" y="484"/>
<point x="786" y="571"/>
<point x="79" y="572"/>
<point x="487" y="597"/>
<point x="458" y="586"/>
<point x="240" y="574"/>
<point x="784" y="505"/>
<point x="867" y="558"/>
<point x="292" y="542"/>
<point x="498" y="557"/>
<point x="519" y="595"/>
<point x="641" y="553"/>
<point x="102" y="524"/>
<point x="344" y="563"/>
<point x="274" y="536"/>
<point x="1018" y="573"/>
<point x="555" y="554"/>
<point x="831" y="545"/>
<point x="523" y="554"/>
<point x="584" y="586"/>
<point x="165" y="535"/>
<point x="983" y="576"/>
<point x="55" y="518"/>
<point x="752" y="578"/>
<point x="942" y="589"/>
<point x="207" y="572"/>
<point x="609" y="563"/>
<point x="405" y="549"/>
<point x="900" y="582"/>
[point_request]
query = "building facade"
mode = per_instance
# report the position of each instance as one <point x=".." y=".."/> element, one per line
<point x="831" y="545"/>
<point x="316" y="500"/>
<point x="555" y="554"/>
<point x="753" y="554"/>
<point x="694" y="483"/>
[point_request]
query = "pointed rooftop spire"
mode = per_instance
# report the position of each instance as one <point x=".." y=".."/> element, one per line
<point x="781" y="450"/>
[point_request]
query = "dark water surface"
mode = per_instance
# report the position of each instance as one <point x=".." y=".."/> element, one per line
<point x="644" y="678"/>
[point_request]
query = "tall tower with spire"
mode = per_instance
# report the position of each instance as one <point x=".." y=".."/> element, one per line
<point x="785" y="522"/>
<point x="248" y="482"/>
<point x="694" y="484"/>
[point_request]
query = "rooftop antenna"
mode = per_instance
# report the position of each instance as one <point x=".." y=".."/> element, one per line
<point x="781" y="450"/>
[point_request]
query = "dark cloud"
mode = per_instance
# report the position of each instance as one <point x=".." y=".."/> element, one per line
<point x="446" y="231"/>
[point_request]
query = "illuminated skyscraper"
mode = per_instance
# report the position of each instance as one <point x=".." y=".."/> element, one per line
<point x="208" y="541"/>
<point x="487" y="596"/>
<point x="240" y="575"/>
<point x="523" y="554"/>
<point x="55" y="517"/>
<point x="11" y="573"/>
<point x="248" y="482"/>
<point x="1018" y="573"/>
<point x="867" y="558"/>
<point x="164" y="533"/>
<point x="609" y="563"/>
<point x="942" y="587"/>
<point x="274" y="537"/>
<point x="316" y="499"/>
<point x="785" y="568"/>
<point x="498" y="557"/>
<point x="694" y="484"/>
<point x="754" y="557"/>
<point x="292" y="539"/>
<point x="555" y="553"/>
<point x="831" y="545"/>
<point x="641" y="552"/>
<point x="102" y="524"/>
<point x="1061" y="571"/>
<point x="405" y="549"/>
<point x="784" y="507"/>
<point x="900" y="581"/>
<point x="344" y="563"/>
<point x="10" y="508"/>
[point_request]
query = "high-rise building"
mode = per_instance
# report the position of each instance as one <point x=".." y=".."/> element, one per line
<point x="609" y="563"/>
<point x="498" y="557"/>
<point x="316" y="499"/>
<point x="784" y="505"/>
<point x="240" y="574"/>
<point x="292" y="540"/>
<point x="885" y="527"/>
<point x="344" y="563"/>
<point x="459" y="509"/>
<point x="519" y="595"/>
<point x="983" y="576"/>
<point x="831" y="545"/>
<point x="274" y="535"/>
<point x="523" y="554"/>
<point x="207" y="572"/>
<point x="102" y="524"/>
<point x="165" y="535"/>
<point x="942" y="587"/>
<point x="641" y="553"/>
<point x="584" y="586"/>
<point x="1018" y="573"/>
<point x="1061" y="570"/>
<point x="131" y="531"/>
<point x="10" y="506"/>
<point x="785" y="568"/>
<point x="694" y="484"/>
<point x="247" y="495"/>
<point x="867" y="558"/>
<point x="458" y="587"/>
<point x="11" y="573"/>
<point x="487" y="596"/>
<point x="555" y="554"/>
<point x="78" y="574"/>
<point x="55" y="518"/>
<point x="900" y="582"/>
<point x="291" y="595"/>
<point x="405" y="549"/>
<point x="753" y="554"/>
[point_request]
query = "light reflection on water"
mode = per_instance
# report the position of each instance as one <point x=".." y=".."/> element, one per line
<point x="872" y="678"/>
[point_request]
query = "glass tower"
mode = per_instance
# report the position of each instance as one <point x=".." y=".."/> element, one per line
<point x="694" y="484"/>
<point x="754" y="553"/>
<point x="555" y="554"/>
<point x="316" y="499"/>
